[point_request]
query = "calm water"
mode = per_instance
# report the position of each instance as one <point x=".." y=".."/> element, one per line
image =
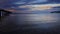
<point x="28" y="22"/>
<point x="40" y="19"/>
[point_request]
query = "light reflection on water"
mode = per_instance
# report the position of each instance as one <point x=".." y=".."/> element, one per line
<point x="33" y="21"/>
<point x="42" y="20"/>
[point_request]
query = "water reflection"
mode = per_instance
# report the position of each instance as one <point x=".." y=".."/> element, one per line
<point x="28" y="22"/>
<point x="43" y="18"/>
<point x="44" y="21"/>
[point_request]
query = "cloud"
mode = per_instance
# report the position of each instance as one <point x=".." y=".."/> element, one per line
<point x="20" y="2"/>
<point x="56" y="1"/>
<point x="38" y="1"/>
<point x="39" y="7"/>
<point x="16" y="3"/>
<point x="30" y="1"/>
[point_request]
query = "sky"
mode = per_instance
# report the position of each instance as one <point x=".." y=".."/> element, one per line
<point x="18" y="4"/>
